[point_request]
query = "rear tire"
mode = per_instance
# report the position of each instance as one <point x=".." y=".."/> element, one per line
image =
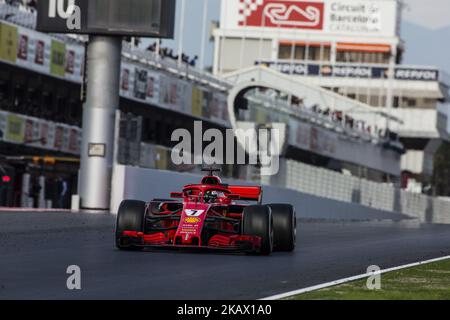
<point x="284" y="227"/>
<point x="257" y="221"/>
<point x="130" y="217"/>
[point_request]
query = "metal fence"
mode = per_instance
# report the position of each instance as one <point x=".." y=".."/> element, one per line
<point x="18" y="14"/>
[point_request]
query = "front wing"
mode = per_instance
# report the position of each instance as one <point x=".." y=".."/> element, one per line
<point x="217" y="243"/>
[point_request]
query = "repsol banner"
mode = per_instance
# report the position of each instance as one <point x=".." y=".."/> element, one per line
<point x="416" y="74"/>
<point x="351" y="71"/>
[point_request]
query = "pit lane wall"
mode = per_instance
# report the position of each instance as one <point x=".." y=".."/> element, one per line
<point x="146" y="184"/>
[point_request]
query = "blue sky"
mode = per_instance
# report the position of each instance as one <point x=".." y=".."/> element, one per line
<point x="433" y="14"/>
<point x="430" y="14"/>
<point x="193" y="27"/>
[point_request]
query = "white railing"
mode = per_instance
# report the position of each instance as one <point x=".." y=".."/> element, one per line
<point x="18" y="14"/>
<point x="308" y="115"/>
<point x="172" y="66"/>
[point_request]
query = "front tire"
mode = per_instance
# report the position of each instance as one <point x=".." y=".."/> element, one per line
<point x="130" y="217"/>
<point x="257" y="221"/>
<point x="284" y="227"/>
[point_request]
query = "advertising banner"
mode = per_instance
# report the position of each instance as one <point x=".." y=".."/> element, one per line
<point x="345" y="17"/>
<point x="8" y="42"/>
<point x="31" y="133"/>
<point x="58" y="58"/>
<point x="140" y="83"/>
<point x="282" y="14"/>
<point x="42" y="53"/>
<point x="126" y="77"/>
<point x="3" y="122"/>
<point x="300" y="134"/>
<point x="74" y="63"/>
<point x="39" y="52"/>
<point x="197" y="101"/>
<point x="152" y="89"/>
<point x="34" y="132"/>
<point x="351" y="71"/>
<point x="34" y="51"/>
<point x="22" y="52"/>
<point x="360" y="17"/>
<point x="215" y="112"/>
<point x="174" y="94"/>
<point x="74" y="141"/>
<point x="147" y="156"/>
<point x="161" y="158"/>
<point x="314" y="139"/>
<point x="15" y="129"/>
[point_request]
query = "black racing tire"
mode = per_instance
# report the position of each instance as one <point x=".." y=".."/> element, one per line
<point x="284" y="227"/>
<point x="257" y="221"/>
<point x="130" y="217"/>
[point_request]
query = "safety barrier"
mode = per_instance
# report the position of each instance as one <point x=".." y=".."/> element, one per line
<point x="381" y="196"/>
<point x="146" y="184"/>
<point x="299" y="178"/>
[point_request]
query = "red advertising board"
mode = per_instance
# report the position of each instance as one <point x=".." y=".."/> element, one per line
<point x="282" y="14"/>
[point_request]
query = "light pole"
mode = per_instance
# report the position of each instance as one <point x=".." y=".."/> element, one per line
<point x="390" y="87"/>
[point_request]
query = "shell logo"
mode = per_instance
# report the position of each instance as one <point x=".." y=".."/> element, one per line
<point x="192" y="220"/>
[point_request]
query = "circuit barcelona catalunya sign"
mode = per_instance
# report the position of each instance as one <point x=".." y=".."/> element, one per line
<point x="362" y="17"/>
<point x="283" y="14"/>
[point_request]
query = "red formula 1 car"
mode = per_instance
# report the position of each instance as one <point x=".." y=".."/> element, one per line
<point x="211" y="215"/>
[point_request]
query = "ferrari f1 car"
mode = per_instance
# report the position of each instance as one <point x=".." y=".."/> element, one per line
<point x="211" y="216"/>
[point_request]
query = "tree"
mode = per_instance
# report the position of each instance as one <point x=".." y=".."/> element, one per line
<point x="441" y="172"/>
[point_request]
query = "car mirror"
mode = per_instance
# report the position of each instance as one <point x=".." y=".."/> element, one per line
<point x="176" y="195"/>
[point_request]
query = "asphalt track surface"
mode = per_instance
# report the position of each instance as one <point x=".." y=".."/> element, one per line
<point x="37" y="248"/>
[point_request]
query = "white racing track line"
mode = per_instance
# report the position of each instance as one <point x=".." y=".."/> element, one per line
<point x="350" y="279"/>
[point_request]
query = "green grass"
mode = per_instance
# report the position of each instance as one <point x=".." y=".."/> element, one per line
<point x="426" y="282"/>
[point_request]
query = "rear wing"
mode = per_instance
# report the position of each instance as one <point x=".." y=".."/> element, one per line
<point x="247" y="193"/>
